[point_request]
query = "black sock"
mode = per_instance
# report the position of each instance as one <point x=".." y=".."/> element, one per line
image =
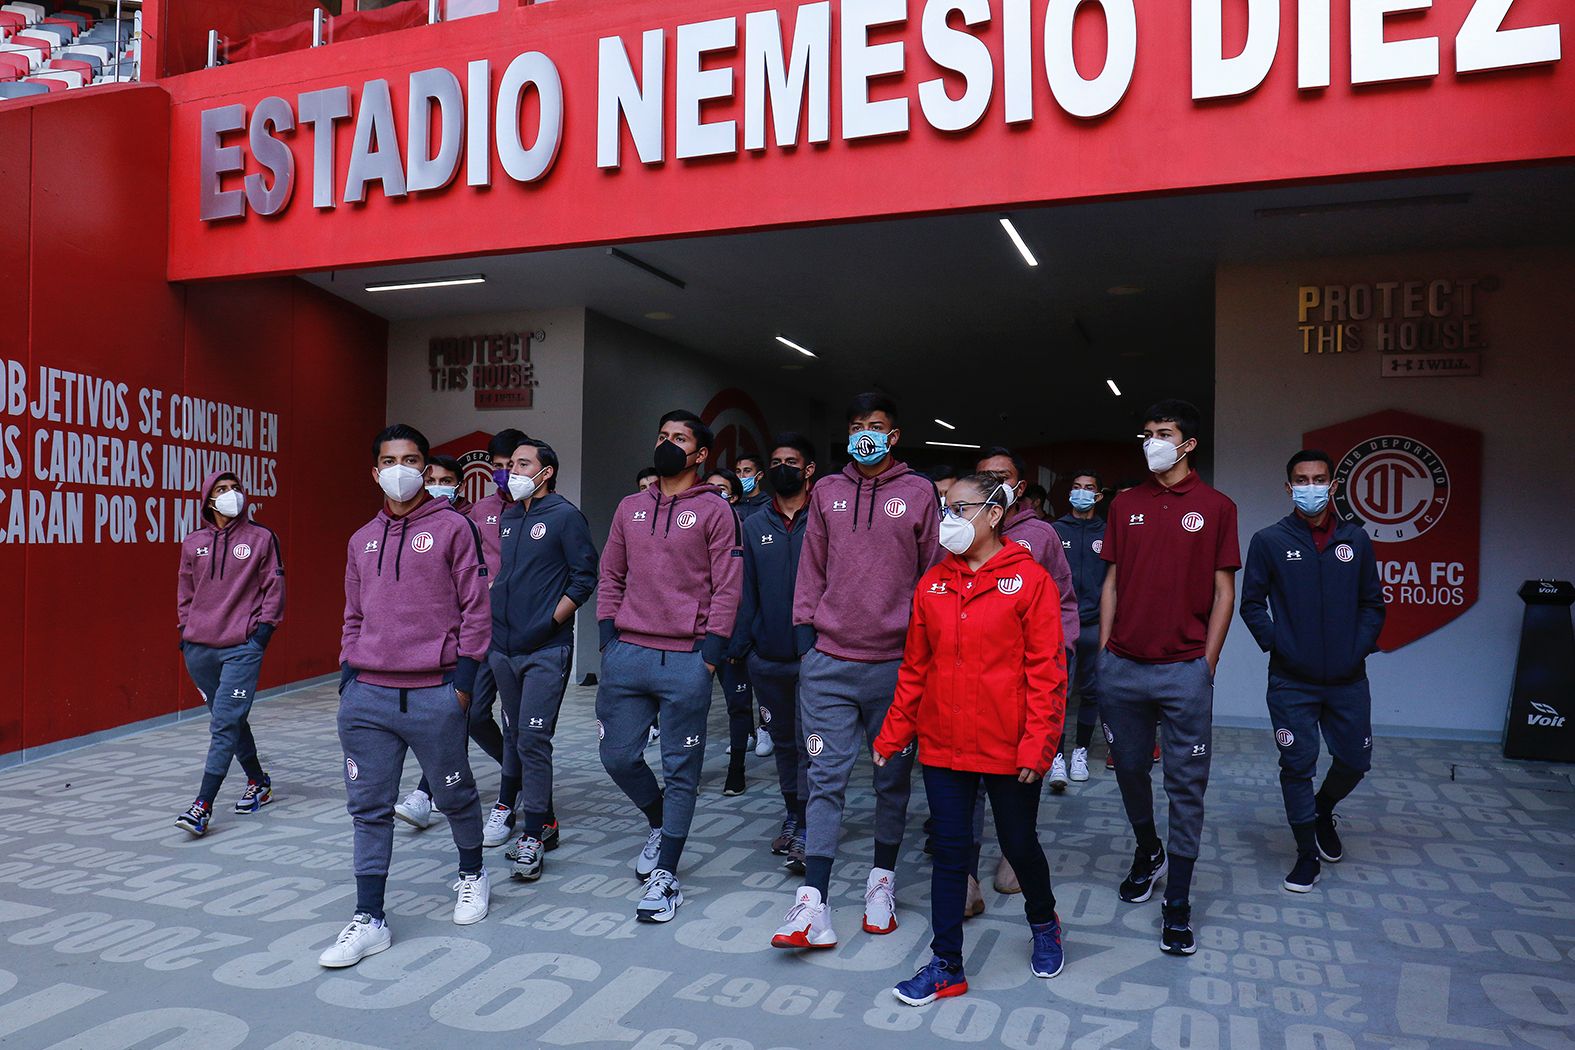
<point x="1085" y="734"/>
<point x="509" y="790"/>
<point x="973" y="860"/>
<point x="817" y="875"/>
<point x="672" y="849"/>
<point x="210" y="787"/>
<point x="253" y="767"/>
<point x="369" y="894"/>
<point x="1339" y="782"/>
<point x="552" y="810"/>
<point x="735" y="764"/>
<point x="886" y="855"/>
<point x="424" y="787"/>
<point x="1306" y="840"/>
<point x="470" y="860"/>
<point x="535" y="825"/>
<point x="1147" y="837"/>
<point x="798" y="811"/>
<point x="790" y="802"/>
<point x="1178" y="884"/>
<point x="653" y="812"/>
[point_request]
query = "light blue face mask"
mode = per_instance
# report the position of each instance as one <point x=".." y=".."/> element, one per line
<point x="750" y="485"/>
<point x="1310" y="499"/>
<point x="868" y="446"/>
<point x="1082" y="499"/>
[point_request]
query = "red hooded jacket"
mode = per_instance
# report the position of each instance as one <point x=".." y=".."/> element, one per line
<point x="983" y="678"/>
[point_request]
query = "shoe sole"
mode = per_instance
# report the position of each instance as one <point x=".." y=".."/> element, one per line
<point x="494" y="845"/>
<point x="877" y="931"/>
<point x="1328" y="859"/>
<point x="1164" y="866"/>
<point x="799" y="940"/>
<point x="731" y="793"/>
<point x="1058" y="786"/>
<point x="253" y="809"/>
<point x="1177" y="951"/>
<point x="193" y="832"/>
<point x="973" y="910"/>
<point x="954" y="990"/>
<point x="1047" y="976"/>
<point x="796" y="867"/>
<point x="525" y="876"/>
<point x="1079" y="779"/>
<point x="412" y="821"/>
<point x="1006" y="890"/>
<point x="1297" y="887"/>
<point x="665" y="915"/>
<point x="472" y="922"/>
<point x="370" y="951"/>
<point x="775" y="852"/>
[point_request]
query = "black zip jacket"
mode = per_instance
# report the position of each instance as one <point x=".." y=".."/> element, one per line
<point x="546" y="554"/>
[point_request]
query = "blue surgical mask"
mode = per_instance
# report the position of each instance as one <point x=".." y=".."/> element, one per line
<point x="868" y="446"/>
<point x="750" y="485"/>
<point x="1310" y="499"/>
<point x="1082" y="499"/>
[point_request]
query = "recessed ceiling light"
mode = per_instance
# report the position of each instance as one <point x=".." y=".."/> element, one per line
<point x="1124" y="289"/>
<point x="427" y="282"/>
<point x="945" y="424"/>
<point x="1111" y="383"/>
<point x="791" y="345"/>
<point x="1017" y="239"/>
<point x="950" y="444"/>
<point x="659" y="315"/>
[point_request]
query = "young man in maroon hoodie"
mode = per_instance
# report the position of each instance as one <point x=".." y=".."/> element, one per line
<point x="417" y="627"/>
<point x="230" y="599"/>
<point x="416" y="808"/>
<point x="872" y="532"/>
<point x="671" y="581"/>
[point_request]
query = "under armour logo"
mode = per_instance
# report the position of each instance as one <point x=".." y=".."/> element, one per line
<point x="937" y="588"/>
<point x="1136" y="519"/>
<point x="239" y="694"/>
<point x="371" y="547"/>
<point x="538" y="723"/>
<point x="451" y="780"/>
<point x="691" y="741"/>
<point x="202" y="552"/>
<point x="639" y="515"/>
<point x="1067" y="544"/>
<point x="765" y="538"/>
<point x="492" y="519"/>
<point x="1293" y="555"/>
<point x="1198" y="750"/>
<point x="505" y="533"/>
<point x="839" y="504"/>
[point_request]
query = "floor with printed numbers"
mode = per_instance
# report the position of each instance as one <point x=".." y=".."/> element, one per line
<point x="1451" y="922"/>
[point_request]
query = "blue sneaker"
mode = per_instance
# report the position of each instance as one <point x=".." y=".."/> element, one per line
<point x="195" y="820"/>
<point x="258" y="794"/>
<point x="938" y="980"/>
<point x="1048" y="958"/>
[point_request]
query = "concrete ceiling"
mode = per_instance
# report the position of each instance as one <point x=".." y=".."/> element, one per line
<point x="943" y="313"/>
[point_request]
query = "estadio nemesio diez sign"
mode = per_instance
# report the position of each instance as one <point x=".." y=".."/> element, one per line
<point x="775" y="70"/>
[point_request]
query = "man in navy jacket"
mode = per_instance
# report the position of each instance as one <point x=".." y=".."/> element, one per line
<point x="1313" y="601"/>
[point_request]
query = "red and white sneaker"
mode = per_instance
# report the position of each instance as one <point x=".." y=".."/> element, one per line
<point x="808" y="923"/>
<point x="880" y="901"/>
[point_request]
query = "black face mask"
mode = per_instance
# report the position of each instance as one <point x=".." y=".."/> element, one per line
<point x="786" y="480"/>
<point x="669" y="460"/>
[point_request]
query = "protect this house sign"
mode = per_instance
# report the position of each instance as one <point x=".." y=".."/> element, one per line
<point x="496" y="368"/>
<point x="1419" y="328"/>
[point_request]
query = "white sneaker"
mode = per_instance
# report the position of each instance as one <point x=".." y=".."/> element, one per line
<point x="663" y="897"/>
<point x="653" y="736"/>
<point x="763" y="746"/>
<point x="1080" y="764"/>
<point x="364" y="936"/>
<point x="1057" y="778"/>
<point x="808" y="923"/>
<point x="499" y="826"/>
<point x="475" y="895"/>
<point x="880" y="901"/>
<point x="645" y="863"/>
<point x="527" y="859"/>
<point x="414" y="809"/>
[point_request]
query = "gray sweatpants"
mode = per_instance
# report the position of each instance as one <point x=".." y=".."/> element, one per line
<point x="531" y="687"/>
<point x="227" y="680"/>
<point x="842" y="704"/>
<point x="637" y="685"/>
<point x="1132" y="698"/>
<point x="776" y="691"/>
<point x="376" y="725"/>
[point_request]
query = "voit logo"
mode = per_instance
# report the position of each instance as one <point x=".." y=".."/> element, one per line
<point x="1545" y="716"/>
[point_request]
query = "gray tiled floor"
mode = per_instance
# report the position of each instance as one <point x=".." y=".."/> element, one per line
<point x="1451" y="923"/>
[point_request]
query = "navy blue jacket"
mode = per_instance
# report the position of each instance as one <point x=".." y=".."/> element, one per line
<point x="1316" y="615"/>
<point x="1082" y="541"/>
<point x="546" y="554"/>
<point x="765" y="617"/>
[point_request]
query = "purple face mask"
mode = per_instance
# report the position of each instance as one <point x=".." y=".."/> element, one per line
<point x="500" y="478"/>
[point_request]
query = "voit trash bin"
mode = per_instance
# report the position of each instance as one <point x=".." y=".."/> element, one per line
<point x="1541" y="719"/>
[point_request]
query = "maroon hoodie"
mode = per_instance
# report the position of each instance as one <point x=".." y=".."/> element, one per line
<point x="487" y="512"/>
<point x="1044" y="543"/>
<point x="867" y="542"/>
<point x="231" y="579"/>
<point x="416" y="606"/>
<point x="672" y="573"/>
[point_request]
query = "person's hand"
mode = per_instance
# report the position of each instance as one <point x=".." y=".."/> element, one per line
<point x="877" y="758"/>
<point x="1213" y="662"/>
<point x="464" y="701"/>
<point x="1027" y="776"/>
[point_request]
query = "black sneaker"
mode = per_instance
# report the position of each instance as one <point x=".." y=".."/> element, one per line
<point x="1176" y="936"/>
<point x="735" y="779"/>
<point x="1304" y="876"/>
<point x="1147" y="869"/>
<point x="549" y="835"/>
<point x="795" y="855"/>
<point x="1329" y="847"/>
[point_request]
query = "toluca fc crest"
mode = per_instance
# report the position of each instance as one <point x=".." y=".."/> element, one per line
<point x="1414" y="485"/>
<point x="896" y="507"/>
<point x="421" y="542"/>
<point x="686" y="520"/>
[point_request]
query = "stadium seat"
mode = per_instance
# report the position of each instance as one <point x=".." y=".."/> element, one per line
<point x="68" y="77"/>
<point x="93" y="56"/>
<point x="57" y="33"/>
<point x="44" y="45"/>
<point x="11" y="22"/>
<point x="33" y="12"/>
<point x="33" y="54"/>
<point x="72" y="65"/>
<point x="22" y="90"/>
<point x="19" y="63"/>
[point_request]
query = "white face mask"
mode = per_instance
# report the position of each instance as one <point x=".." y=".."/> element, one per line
<point x="230" y="504"/>
<point x="957" y="533"/>
<point x="1161" y="454"/>
<point x="442" y="492"/>
<point x="522" y="487"/>
<point x="400" y="483"/>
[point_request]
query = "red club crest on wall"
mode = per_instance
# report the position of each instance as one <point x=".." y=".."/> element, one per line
<point x="1415" y="486"/>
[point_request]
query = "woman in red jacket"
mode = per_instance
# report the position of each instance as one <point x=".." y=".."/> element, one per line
<point x="983" y="689"/>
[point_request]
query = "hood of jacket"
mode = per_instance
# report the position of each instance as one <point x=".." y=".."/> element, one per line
<point x="208" y="484"/>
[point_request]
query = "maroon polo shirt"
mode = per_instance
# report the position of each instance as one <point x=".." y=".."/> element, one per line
<point x="1166" y="545"/>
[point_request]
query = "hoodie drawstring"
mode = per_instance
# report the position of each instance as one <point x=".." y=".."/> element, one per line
<point x="874" y="499"/>
<point x="668" y="530"/>
<point x="400" y="553"/>
<point x="657" y="510"/>
<point x="858" y="492"/>
<point x="381" y="547"/>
